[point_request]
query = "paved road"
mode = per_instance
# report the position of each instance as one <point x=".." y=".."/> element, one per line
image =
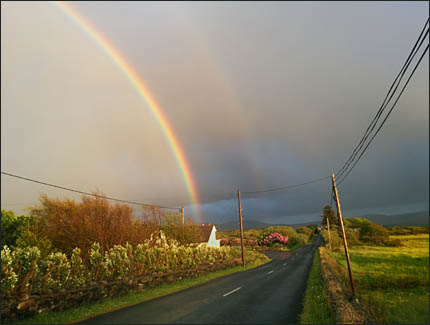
<point x="269" y="294"/>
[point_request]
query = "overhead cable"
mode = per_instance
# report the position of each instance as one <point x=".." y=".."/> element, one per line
<point x="385" y="103"/>
<point x="285" y="187"/>
<point x="386" y="117"/>
<point x="90" y="194"/>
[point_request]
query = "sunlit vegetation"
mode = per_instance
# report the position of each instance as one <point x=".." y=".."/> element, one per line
<point x="72" y="248"/>
<point x="316" y="304"/>
<point x="110" y="304"/>
<point x="360" y="231"/>
<point x="257" y="237"/>
<point x="392" y="282"/>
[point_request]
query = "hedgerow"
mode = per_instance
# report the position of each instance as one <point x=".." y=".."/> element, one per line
<point x="24" y="272"/>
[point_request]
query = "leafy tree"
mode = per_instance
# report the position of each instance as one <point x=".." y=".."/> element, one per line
<point x="10" y="226"/>
<point x="184" y="233"/>
<point x="366" y="232"/>
<point x="329" y="213"/>
<point x="305" y="233"/>
<point x="69" y="224"/>
<point x="32" y="234"/>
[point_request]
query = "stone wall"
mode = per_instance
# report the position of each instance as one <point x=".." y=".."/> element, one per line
<point x="345" y="306"/>
<point x="14" y="309"/>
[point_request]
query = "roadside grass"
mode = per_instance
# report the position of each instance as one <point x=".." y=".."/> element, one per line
<point x="316" y="305"/>
<point x="393" y="282"/>
<point x="86" y="311"/>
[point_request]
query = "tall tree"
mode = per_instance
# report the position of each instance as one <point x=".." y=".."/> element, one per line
<point x="329" y="213"/>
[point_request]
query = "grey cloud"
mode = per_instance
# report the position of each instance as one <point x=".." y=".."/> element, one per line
<point x="259" y="94"/>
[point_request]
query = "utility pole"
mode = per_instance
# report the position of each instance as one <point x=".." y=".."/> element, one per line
<point x="345" y="244"/>
<point x="328" y="228"/>
<point x="241" y="228"/>
<point x="182" y="215"/>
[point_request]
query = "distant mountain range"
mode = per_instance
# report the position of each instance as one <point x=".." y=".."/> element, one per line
<point x="252" y="224"/>
<point x="406" y="219"/>
<point x="247" y="224"/>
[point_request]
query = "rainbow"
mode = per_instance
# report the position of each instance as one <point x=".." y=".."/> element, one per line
<point x="144" y="93"/>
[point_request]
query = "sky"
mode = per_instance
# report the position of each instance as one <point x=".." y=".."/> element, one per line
<point x="259" y="95"/>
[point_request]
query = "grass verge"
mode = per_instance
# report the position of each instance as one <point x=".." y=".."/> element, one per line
<point x="86" y="311"/>
<point x="316" y="305"/>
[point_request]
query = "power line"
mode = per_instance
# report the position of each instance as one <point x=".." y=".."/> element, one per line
<point x="386" y="117"/>
<point x="378" y="116"/>
<point x="372" y="125"/>
<point x="90" y="194"/>
<point x="375" y="120"/>
<point x="285" y="187"/>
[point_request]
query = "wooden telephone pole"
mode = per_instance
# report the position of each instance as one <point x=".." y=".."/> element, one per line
<point x="345" y="244"/>
<point x="182" y="215"/>
<point x="241" y="228"/>
<point x="328" y="229"/>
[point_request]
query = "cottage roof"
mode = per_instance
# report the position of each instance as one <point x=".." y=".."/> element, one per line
<point x="206" y="230"/>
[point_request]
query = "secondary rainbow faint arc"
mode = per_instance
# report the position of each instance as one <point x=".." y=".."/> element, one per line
<point x="147" y="97"/>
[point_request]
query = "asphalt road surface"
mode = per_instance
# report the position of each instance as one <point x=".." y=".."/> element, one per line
<point x="269" y="294"/>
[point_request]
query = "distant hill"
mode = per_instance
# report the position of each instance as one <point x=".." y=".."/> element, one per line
<point x="247" y="224"/>
<point x="304" y="224"/>
<point x="406" y="219"/>
<point x="252" y="224"/>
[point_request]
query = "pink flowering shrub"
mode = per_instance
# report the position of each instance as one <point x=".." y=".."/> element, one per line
<point x="274" y="238"/>
<point x="224" y="241"/>
<point x="235" y="242"/>
<point x="251" y="242"/>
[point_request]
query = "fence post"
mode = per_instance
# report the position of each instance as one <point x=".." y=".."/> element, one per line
<point x="182" y="215"/>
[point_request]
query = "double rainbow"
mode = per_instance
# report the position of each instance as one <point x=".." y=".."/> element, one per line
<point x="144" y="93"/>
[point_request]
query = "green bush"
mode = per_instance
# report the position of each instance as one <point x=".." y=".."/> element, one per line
<point x="408" y="230"/>
<point x="304" y="230"/>
<point x="336" y="240"/>
<point x="304" y="233"/>
<point x="55" y="271"/>
<point x="283" y="230"/>
<point x="11" y="226"/>
<point x="369" y="233"/>
<point x="9" y="277"/>
<point x="353" y="236"/>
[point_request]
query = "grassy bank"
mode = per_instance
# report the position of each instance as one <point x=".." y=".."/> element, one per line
<point x="101" y="307"/>
<point x="316" y="304"/>
<point x="393" y="282"/>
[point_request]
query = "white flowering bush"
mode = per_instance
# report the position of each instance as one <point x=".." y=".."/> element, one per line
<point x="96" y="262"/>
<point x="77" y="269"/>
<point x="56" y="268"/>
<point x="19" y="269"/>
<point x="22" y="267"/>
<point x="116" y="262"/>
<point x="9" y="278"/>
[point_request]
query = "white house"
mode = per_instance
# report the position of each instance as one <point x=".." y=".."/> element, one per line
<point x="209" y="235"/>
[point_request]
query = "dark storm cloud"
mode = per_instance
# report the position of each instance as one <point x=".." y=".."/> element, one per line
<point x="259" y="94"/>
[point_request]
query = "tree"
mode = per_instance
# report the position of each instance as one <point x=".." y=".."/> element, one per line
<point x="69" y="224"/>
<point x="184" y="233"/>
<point x="10" y="226"/>
<point x="32" y="234"/>
<point x="329" y="213"/>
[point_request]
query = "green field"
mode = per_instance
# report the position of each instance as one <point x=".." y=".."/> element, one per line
<point x="392" y="282"/>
